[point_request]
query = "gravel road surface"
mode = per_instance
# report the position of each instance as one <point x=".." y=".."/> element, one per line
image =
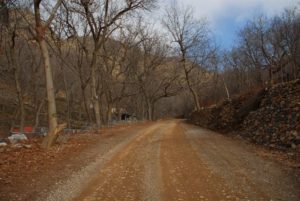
<point x="171" y="160"/>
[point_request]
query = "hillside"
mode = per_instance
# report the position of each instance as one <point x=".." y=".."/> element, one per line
<point x="269" y="117"/>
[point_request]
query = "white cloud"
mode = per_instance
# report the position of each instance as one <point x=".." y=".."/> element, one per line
<point x="215" y="9"/>
<point x="227" y="16"/>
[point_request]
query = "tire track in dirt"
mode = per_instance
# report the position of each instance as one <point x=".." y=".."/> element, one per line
<point x="244" y="172"/>
<point x="151" y="158"/>
<point x="132" y="174"/>
<point x="185" y="176"/>
<point x="102" y="153"/>
<point x="170" y="160"/>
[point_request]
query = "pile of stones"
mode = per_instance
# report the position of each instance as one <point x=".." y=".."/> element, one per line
<point x="277" y="121"/>
<point x="270" y="117"/>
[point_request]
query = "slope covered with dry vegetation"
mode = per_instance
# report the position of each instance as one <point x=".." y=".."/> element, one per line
<point x="270" y="117"/>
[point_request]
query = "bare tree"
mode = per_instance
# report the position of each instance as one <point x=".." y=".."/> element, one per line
<point x="13" y="50"/>
<point x="267" y="52"/>
<point x="191" y="37"/>
<point x="102" y="18"/>
<point x="41" y="30"/>
<point x="156" y="76"/>
<point x="271" y="44"/>
<point x="115" y="83"/>
<point x="78" y="37"/>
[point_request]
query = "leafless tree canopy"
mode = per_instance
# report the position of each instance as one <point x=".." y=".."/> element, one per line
<point x="88" y="63"/>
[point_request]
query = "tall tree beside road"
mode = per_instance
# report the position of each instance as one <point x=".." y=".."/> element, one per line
<point x="102" y="18"/>
<point x="41" y="29"/>
<point x="191" y="38"/>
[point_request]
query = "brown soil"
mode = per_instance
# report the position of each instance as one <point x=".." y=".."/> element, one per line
<point x="25" y="174"/>
<point x="126" y="168"/>
<point x="185" y="175"/>
<point x="166" y="160"/>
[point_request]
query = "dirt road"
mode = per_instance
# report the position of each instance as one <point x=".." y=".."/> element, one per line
<point x="171" y="160"/>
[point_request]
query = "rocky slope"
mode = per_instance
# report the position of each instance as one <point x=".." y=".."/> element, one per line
<point x="270" y="116"/>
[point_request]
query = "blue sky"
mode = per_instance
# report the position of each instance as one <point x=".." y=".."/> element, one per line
<point x="226" y="17"/>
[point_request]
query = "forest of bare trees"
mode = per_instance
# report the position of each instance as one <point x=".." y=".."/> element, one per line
<point x="85" y="63"/>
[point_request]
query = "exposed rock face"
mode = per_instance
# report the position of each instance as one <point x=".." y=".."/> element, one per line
<point x="270" y="117"/>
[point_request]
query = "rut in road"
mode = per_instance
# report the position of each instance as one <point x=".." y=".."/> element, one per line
<point x="171" y="160"/>
<point x="185" y="176"/>
<point x="132" y="174"/>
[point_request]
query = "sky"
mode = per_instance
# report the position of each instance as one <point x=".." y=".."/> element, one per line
<point x="226" y="17"/>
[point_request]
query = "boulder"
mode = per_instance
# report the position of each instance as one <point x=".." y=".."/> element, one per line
<point x="3" y="144"/>
<point x="15" y="138"/>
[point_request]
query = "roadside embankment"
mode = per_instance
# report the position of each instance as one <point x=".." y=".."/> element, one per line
<point x="269" y="117"/>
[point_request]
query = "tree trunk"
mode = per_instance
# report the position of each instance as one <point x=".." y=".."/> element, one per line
<point x="150" y="110"/>
<point x="150" y="113"/>
<point x="270" y="76"/>
<point x="86" y="107"/>
<point x="52" y="116"/>
<point x="144" y="111"/>
<point x="226" y="89"/>
<point x="187" y="77"/>
<point x="20" y="99"/>
<point x="196" y="99"/>
<point x="94" y="90"/>
<point x="109" y="113"/>
<point x="16" y="68"/>
<point x="37" y="114"/>
<point x="67" y="99"/>
<point x="41" y="27"/>
<point x="119" y="113"/>
<point x="194" y="94"/>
